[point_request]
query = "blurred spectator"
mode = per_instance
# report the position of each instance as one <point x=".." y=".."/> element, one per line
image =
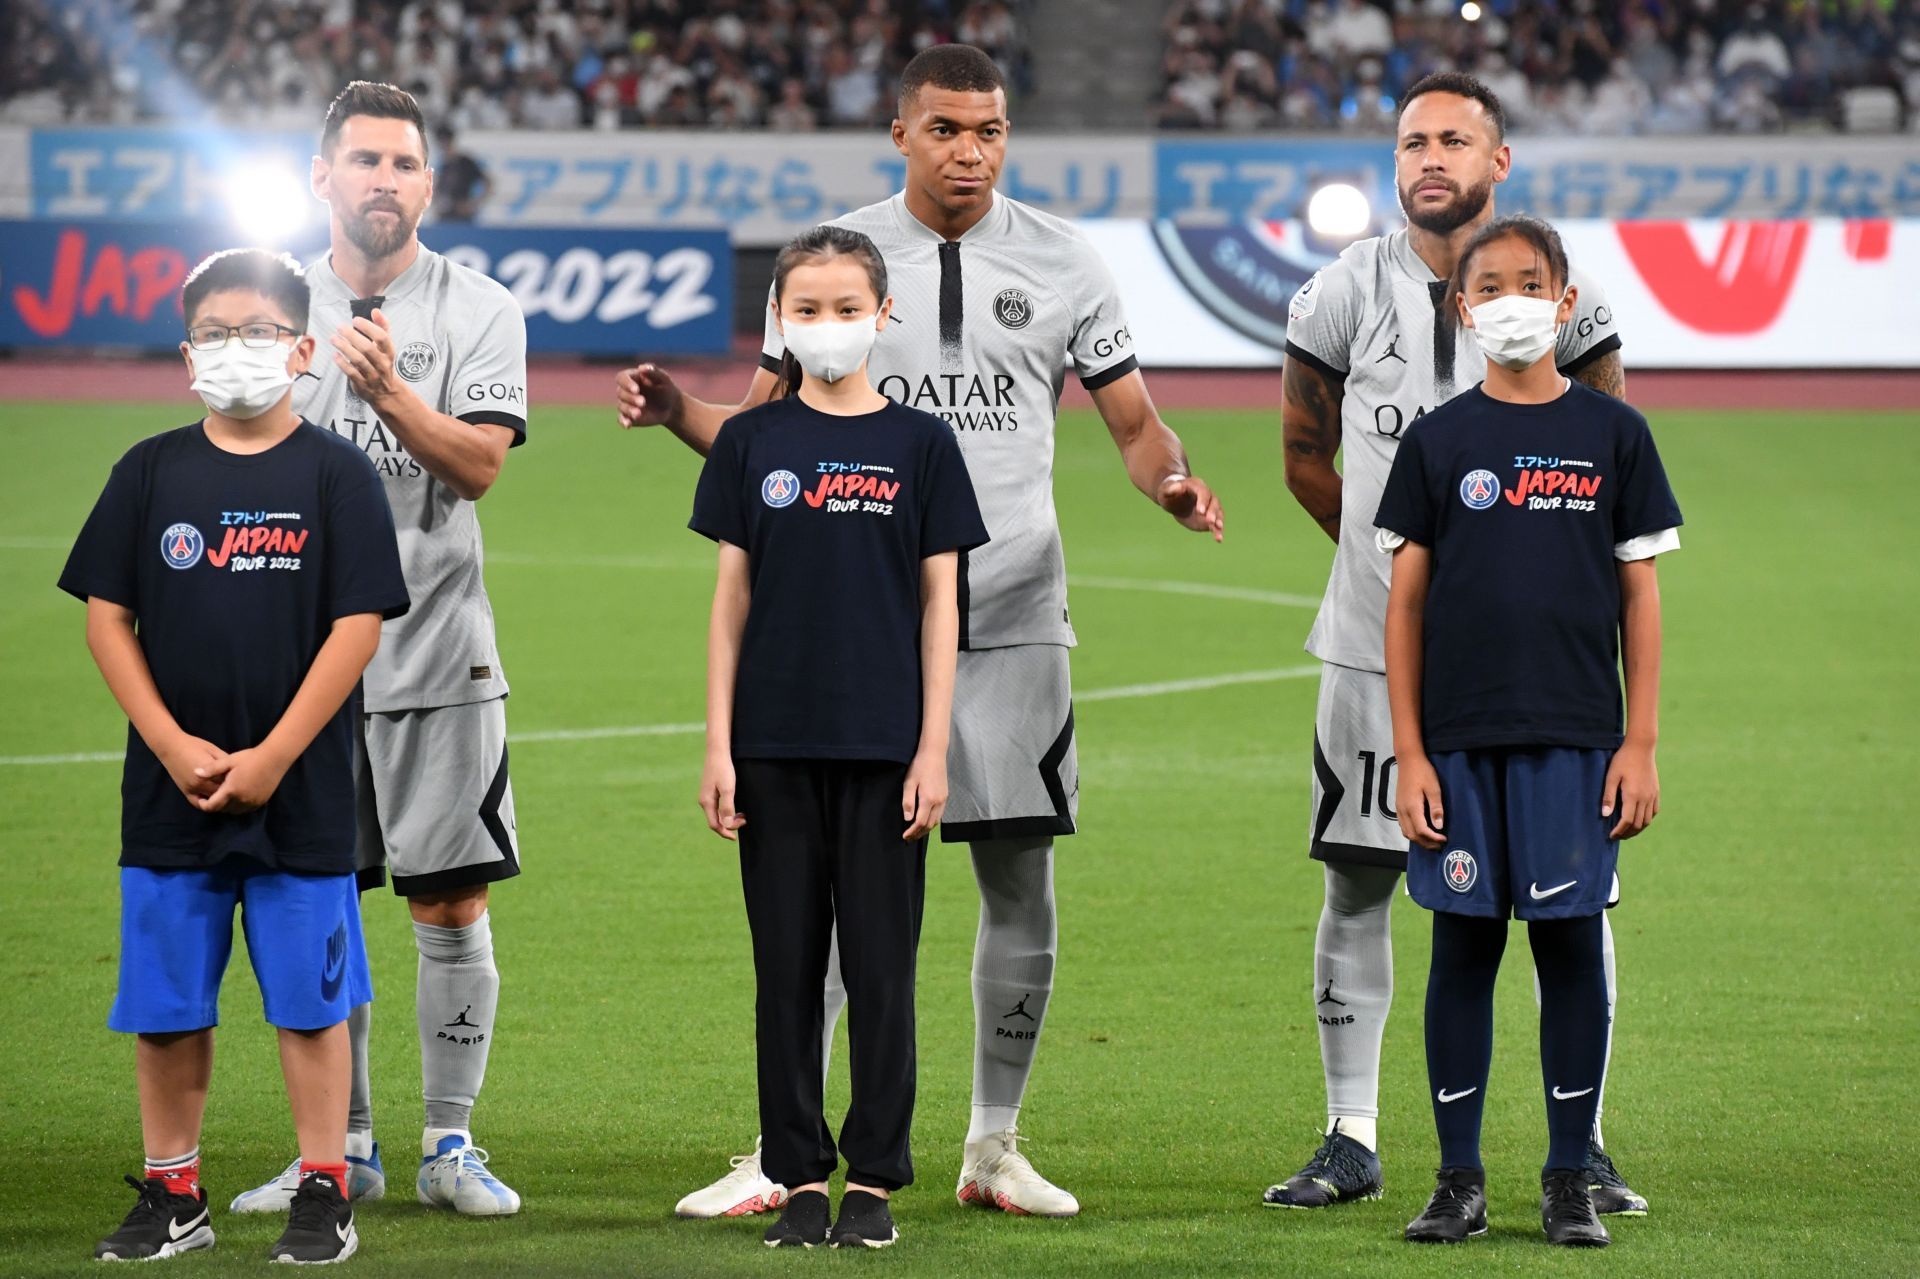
<point x="460" y="182"/>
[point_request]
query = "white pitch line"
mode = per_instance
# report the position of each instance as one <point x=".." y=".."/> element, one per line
<point x="1205" y="589"/>
<point x="1162" y="689"/>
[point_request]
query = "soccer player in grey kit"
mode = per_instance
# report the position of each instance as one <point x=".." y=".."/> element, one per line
<point x="427" y="377"/>
<point x="991" y="301"/>
<point x="1371" y="347"/>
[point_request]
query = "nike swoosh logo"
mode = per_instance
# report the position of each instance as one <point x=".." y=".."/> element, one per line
<point x="1540" y="894"/>
<point x="1568" y="1096"/>
<point x="179" y="1232"/>
<point x="1446" y="1096"/>
<point x="342" y="1230"/>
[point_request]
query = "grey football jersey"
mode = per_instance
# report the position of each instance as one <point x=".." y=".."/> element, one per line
<point x="1370" y="319"/>
<point x="982" y="330"/>
<point x="461" y="343"/>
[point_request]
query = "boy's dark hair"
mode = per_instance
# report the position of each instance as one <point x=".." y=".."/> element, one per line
<point x="820" y="244"/>
<point x="365" y="97"/>
<point x="958" y="68"/>
<point x="1462" y="85"/>
<point x="275" y="276"/>
<point x="1543" y="239"/>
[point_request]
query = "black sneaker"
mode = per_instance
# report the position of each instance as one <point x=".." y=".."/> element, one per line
<point x="802" y="1224"/>
<point x="1457" y="1211"/>
<point x="1340" y="1170"/>
<point x="319" y="1225"/>
<point x="1566" y="1210"/>
<point x="1612" y="1196"/>
<point x="864" y="1222"/>
<point x="159" y="1225"/>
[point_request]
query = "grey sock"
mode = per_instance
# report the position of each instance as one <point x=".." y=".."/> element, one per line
<point x="360" y="1096"/>
<point x="458" y="993"/>
<point x="1353" y="983"/>
<point x="1013" y="961"/>
<point x="835" y="1003"/>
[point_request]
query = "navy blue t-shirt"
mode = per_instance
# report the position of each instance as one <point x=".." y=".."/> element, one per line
<point x="835" y="515"/>
<point x="236" y="566"/>
<point x="1522" y="505"/>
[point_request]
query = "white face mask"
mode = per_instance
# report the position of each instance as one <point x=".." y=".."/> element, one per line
<point x="831" y="349"/>
<point x="1515" y="331"/>
<point x="241" y="381"/>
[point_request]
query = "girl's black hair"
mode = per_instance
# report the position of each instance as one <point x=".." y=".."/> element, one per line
<point x="1544" y="240"/>
<point x="821" y="244"/>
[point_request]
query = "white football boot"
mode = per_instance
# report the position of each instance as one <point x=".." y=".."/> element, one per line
<point x="454" y="1174"/>
<point x="994" y="1174"/>
<point x="742" y="1192"/>
<point x="366" y="1180"/>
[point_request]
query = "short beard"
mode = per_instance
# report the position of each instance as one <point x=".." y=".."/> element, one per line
<point x="1463" y="209"/>
<point x="374" y="241"/>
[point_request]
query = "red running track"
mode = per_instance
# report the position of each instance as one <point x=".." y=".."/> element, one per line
<point x="575" y="382"/>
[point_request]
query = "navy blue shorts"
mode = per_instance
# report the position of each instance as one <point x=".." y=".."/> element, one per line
<point x="176" y="934"/>
<point x="1524" y="836"/>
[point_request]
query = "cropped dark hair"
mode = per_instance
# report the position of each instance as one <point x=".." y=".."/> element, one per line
<point x="821" y="244"/>
<point x="275" y="276"/>
<point x="365" y="97"/>
<point x="1462" y="85"/>
<point x="957" y="68"/>
<point x="1543" y="239"/>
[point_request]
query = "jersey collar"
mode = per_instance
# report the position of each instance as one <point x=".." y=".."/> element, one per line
<point x="986" y="228"/>
<point x="1400" y="246"/>
<point x="409" y="280"/>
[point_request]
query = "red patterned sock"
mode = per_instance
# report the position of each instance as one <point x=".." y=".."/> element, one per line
<point x="181" y="1176"/>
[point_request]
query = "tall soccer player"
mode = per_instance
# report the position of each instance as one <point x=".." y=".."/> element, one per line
<point x="1370" y="348"/>
<point x="427" y="377"/>
<point x="991" y="300"/>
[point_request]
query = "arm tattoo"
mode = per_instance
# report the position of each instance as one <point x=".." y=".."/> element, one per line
<point x="1310" y="433"/>
<point x="1605" y="375"/>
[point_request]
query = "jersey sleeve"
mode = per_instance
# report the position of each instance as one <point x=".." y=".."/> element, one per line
<point x="1102" y="344"/>
<point x="950" y="517"/>
<point x="1406" y="503"/>
<point x="489" y="380"/>
<point x="1644" y="502"/>
<point x="102" y="562"/>
<point x="1590" y="334"/>
<point x="718" y="511"/>
<point x="1323" y="319"/>
<point x="363" y="572"/>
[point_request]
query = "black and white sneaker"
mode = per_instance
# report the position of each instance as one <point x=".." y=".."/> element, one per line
<point x="1457" y="1211"/>
<point x="159" y="1225"/>
<point x="1612" y="1196"/>
<point x="1566" y="1210"/>
<point x="1340" y="1170"/>
<point x="802" y="1224"/>
<point x="865" y="1222"/>
<point x="319" y="1225"/>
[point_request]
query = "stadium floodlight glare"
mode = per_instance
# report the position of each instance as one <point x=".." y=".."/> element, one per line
<point x="1470" y="11"/>
<point x="266" y="204"/>
<point x="1339" y="211"/>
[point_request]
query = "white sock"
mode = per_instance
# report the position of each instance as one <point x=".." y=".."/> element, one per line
<point x="430" y="1139"/>
<point x="988" y="1120"/>
<point x="1359" y="1127"/>
<point x="359" y="1145"/>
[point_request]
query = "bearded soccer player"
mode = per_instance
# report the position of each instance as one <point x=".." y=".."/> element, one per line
<point x="991" y="301"/>
<point x="1370" y="348"/>
<point x="424" y="368"/>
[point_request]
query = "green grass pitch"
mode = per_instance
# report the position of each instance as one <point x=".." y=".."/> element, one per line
<point x="1768" y="1040"/>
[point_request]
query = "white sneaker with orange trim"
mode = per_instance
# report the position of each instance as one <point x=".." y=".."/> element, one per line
<point x="994" y="1174"/>
<point x="741" y="1193"/>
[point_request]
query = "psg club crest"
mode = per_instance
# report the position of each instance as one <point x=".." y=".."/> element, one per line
<point x="181" y="546"/>
<point x="780" y="489"/>
<point x="1460" y="870"/>
<point x="415" y="362"/>
<point x="1479" y="490"/>
<point x="1013" y="309"/>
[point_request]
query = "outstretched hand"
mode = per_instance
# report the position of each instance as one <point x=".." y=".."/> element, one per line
<point x="1188" y="499"/>
<point x="647" y="396"/>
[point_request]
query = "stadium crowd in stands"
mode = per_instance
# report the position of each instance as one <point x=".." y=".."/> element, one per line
<point x="1559" y="66"/>
<point x="486" y="64"/>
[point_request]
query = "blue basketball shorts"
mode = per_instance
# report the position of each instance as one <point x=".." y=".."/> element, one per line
<point x="1524" y="836"/>
<point x="176" y="934"/>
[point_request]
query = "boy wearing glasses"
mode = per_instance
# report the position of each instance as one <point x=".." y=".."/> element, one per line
<point x="236" y="572"/>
